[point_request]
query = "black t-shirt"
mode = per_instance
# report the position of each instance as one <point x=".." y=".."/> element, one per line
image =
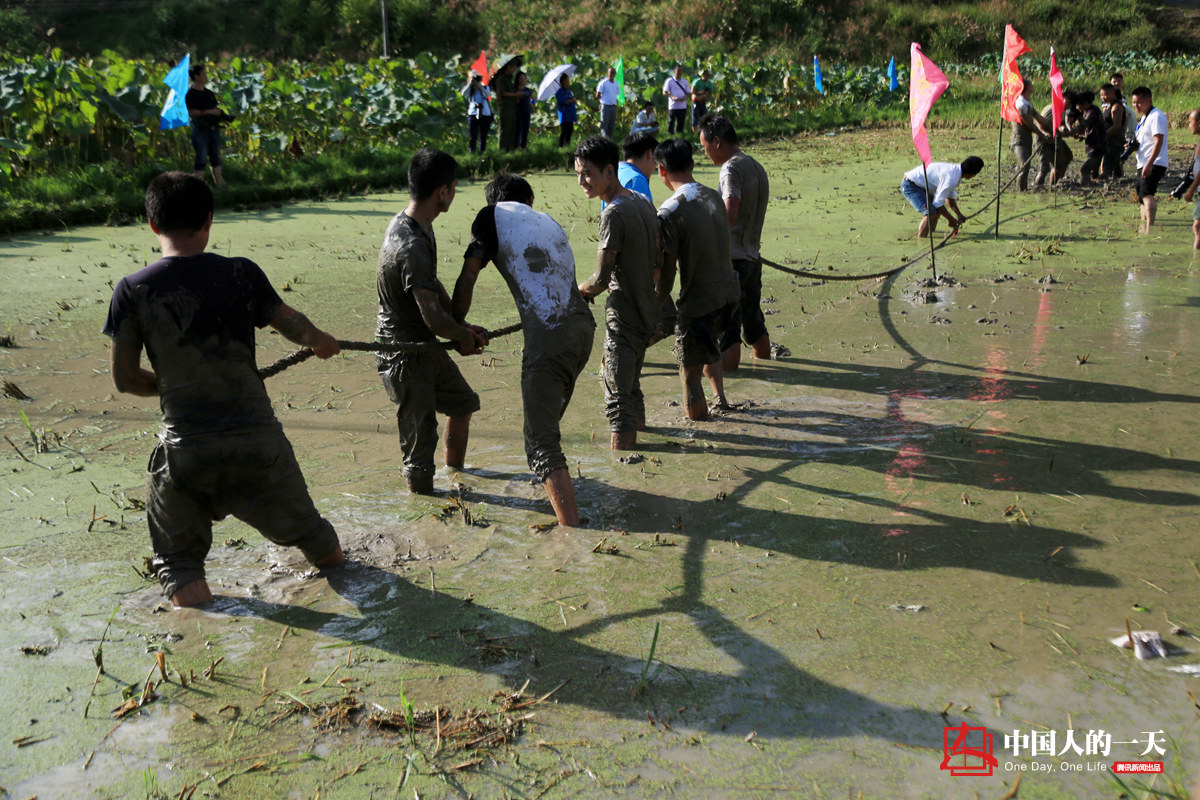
<point x="196" y="317"/>
<point x="202" y="100"/>
<point x="407" y="261"/>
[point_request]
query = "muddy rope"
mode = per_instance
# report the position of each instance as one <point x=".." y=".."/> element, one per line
<point x="908" y="263"/>
<point x="377" y="347"/>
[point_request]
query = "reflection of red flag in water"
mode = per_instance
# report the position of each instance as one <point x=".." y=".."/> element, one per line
<point x="925" y="87"/>
<point x="1010" y="77"/>
<point x="480" y="66"/>
<point x="1057" y="102"/>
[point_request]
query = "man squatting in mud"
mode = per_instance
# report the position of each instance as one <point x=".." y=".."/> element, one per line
<point x="626" y="260"/>
<point x="414" y="307"/>
<point x="745" y="190"/>
<point x="533" y="254"/>
<point x="220" y="451"/>
<point x="695" y="236"/>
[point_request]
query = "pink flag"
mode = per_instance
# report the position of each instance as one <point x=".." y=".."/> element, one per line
<point x="925" y="87"/>
<point x="1057" y="102"/>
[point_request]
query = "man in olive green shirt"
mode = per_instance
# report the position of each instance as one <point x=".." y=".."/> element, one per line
<point x="703" y="93"/>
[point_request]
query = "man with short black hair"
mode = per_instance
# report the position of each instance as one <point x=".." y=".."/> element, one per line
<point x="746" y="190"/>
<point x="634" y="172"/>
<point x="221" y="451"/>
<point x="695" y="239"/>
<point x="942" y="191"/>
<point x="677" y="89"/>
<point x="607" y="92"/>
<point x="533" y="254"/>
<point x="1151" y="154"/>
<point x="414" y="307"/>
<point x="626" y="260"/>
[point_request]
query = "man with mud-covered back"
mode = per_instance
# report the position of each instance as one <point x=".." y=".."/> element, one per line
<point x="220" y="451"/>
<point x="533" y="254"/>
<point x="695" y="239"/>
<point x="414" y="307"/>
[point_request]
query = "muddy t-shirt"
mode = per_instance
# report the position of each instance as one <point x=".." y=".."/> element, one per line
<point x="533" y="254"/>
<point x="695" y="229"/>
<point x="745" y="178"/>
<point x="629" y="227"/>
<point x="407" y="261"/>
<point x="196" y="316"/>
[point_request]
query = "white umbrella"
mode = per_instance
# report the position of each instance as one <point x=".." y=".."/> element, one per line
<point x="549" y="84"/>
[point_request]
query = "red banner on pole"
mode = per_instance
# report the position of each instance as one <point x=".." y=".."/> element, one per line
<point x="925" y="87"/>
<point x="1011" y="81"/>
<point x="1057" y="102"/>
<point x="480" y="66"/>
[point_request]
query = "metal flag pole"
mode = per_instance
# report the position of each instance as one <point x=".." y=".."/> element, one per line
<point x="932" y="218"/>
<point x="999" y="147"/>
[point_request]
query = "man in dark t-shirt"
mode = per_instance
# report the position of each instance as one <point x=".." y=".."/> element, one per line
<point x="695" y="238"/>
<point x="414" y="307"/>
<point x="205" y="116"/>
<point x="627" y="256"/>
<point x="533" y="254"/>
<point x="220" y="451"/>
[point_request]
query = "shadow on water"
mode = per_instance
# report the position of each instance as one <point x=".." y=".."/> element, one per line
<point x="768" y="694"/>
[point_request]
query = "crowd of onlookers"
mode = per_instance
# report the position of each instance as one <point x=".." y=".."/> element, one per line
<point x="509" y="97"/>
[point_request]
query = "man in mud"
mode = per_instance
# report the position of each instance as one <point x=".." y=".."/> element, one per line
<point x="220" y="451"/>
<point x="1151" y="154"/>
<point x="414" y="307"/>
<point x="746" y="190"/>
<point x="1022" y="134"/>
<point x="626" y="259"/>
<point x="533" y="254"/>
<point x="695" y="240"/>
<point x="634" y="173"/>
<point x="942" y="192"/>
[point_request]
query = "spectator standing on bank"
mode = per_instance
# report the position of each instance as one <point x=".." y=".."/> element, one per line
<point x="479" y="112"/>
<point x="703" y="93"/>
<point x="206" y="132"/>
<point x="606" y="92"/>
<point x="504" y="86"/>
<point x="677" y="89"/>
<point x="524" y="110"/>
<point x="564" y="100"/>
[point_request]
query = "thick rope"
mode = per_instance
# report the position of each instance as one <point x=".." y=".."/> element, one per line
<point x="377" y="347"/>
<point x="914" y="260"/>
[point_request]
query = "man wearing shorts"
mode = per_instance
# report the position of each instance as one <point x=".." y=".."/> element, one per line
<point x="745" y="190"/>
<point x="695" y="241"/>
<point x="220" y="451"/>
<point x="533" y="254"/>
<point x="1151" y="154"/>
<point x="414" y="307"/>
<point x="1194" y="126"/>
<point x="942" y="191"/>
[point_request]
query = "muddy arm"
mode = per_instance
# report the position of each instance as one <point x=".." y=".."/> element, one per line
<point x="128" y="375"/>
<point x="297" y="328"/>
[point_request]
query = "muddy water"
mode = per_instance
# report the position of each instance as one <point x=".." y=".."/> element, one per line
<point x="930" y="513"/>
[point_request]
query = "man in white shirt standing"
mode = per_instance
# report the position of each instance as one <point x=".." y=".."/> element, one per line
<point x="1151" y="154"/>
<point x="942" y="193"/>
<point x="606" y="93"/>
<point x="677" y="89"/>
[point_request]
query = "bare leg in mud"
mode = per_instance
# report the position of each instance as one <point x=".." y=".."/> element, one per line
<point x="562" y="496"/>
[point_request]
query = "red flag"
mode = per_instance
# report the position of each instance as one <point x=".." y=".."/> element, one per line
<point x="480" y="66"/>
<point x="926" y="84"/>
<point x="1010" y="77"/>
<point x="1057" y="102"/>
